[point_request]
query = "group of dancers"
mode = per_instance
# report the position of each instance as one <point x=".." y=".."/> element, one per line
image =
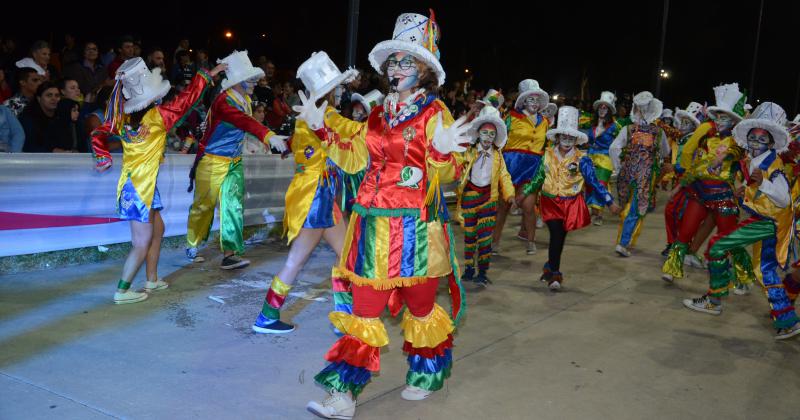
<point x="372" y="187"/>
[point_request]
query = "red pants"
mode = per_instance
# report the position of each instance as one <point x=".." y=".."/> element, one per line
<point x="693" y="217"/>
<point x="369" y="303"/>
<point x="673" y="212"/>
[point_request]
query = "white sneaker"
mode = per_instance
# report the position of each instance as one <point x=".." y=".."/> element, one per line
<point x="531" y="248"/>
<point x="412" y="393"/>
<point x="667" y="278"/>
<point x="152" y="286"/>
<point x="191" y="254"/>
<point x="129" y="297"/>
<point x="694" y="261"/>
<point x="339" y="405"/>
<point x="554" y="285"/>
<point x="703" y="304"/>
<point x="790" y="332"/>
<point x="598" y="220"/>
<point x="741" y="289"/>
<point x="622" y="251"/>
<point x="539" y="223"/>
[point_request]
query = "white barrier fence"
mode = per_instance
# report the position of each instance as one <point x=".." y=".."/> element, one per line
<point x="51" y="202"/>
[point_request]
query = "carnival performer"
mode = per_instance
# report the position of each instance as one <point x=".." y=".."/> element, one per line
<point x="770" y="225"/>
<point x="523" y="153"/>
<point x="218" y="171"/>
<point x="561" y="179"/>
<point x="134" y="117"/>
<point x="311" y="211"/>
<point x="485" y="181"/>
<point x="709" y="164"/>
<point x="398" y="242"/>
<point x="601" y="132"/>
<point x="638" y="153"/>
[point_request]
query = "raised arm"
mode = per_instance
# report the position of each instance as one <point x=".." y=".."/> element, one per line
<point x="100" y="153"/>
<point x="598" y="189"/>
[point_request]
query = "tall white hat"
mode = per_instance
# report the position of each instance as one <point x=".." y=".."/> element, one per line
<point x="490" y="114"/>
<point x="29" y="63"/>
<point x="693" y="111"/>
<point x="607" y="98"/>
<point x="650" y="106"/>
<point x="140" y="86"/>
<point x="415" y="34"/>
<point x="768" y="116"/>
<point x="729" y="100"/>
<point x="567" y="124"/>
<point x="493" y="98"/>
<point x="374" y="97"/>
<point x="667" y="113"/>
<point x="320" y="75"/>
<point x="530" y="87"/>
<point x="239" y="69"/>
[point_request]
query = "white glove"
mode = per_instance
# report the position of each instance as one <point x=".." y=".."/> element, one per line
<point x="309" y="112"/>
<point x="278" y="143"/>
<point x="450" y="139"/>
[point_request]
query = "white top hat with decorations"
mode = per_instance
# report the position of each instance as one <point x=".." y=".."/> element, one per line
<point x="415" y="34"/>
<point x="694" y="112"/>
<point x="29" y="63"/>
<point x="493" y="98"/>
<point x="667" y="113"/>
<point x="768" y="116"/>
<point x="729" y="100"/>
<point x="140" y="86"/>
<point x="239" y="70"/>
<point x="567" y="124"/>
<point x="607" y="98"/>
<point x="320" y="75"/>
<point x="374" y="97"/>
<point x="530" y="87"/>
<point x="490" y="114"/>
<point x="650" y="106"/>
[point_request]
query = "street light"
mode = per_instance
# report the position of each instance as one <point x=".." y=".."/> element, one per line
<point x="228" y="34"/>
<point x="555" y="97"/>
<point x="466" y="71"/>
<point x="664" y="74"/>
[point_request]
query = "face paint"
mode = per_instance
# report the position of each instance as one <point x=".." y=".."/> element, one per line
<point x="724" y="121"/>
<point x="758" y="141"/>
<point x="247" y="87"/>
<point x="602" y="110"/>
<point x="566" y="142"/>
<point x="686" y="126"/>
<point x="532" y="104"/>
<point x="402" y="71"/>
<point x="359" y="113"/>
<point x="486" y="134"/>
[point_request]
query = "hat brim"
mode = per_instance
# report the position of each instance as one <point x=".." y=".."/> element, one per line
<point x="779" y="133"/>
<point x="715" y="110"/>
<point x="582" y="138"/>
<point x="384" y="49"/>
<point x="345" y="77"/>
<point x="356" y="97"/>
<point x="654" y="113"/>
<point x="500" y="125"/>
<point x="545" y="98"/>
<point x="254" y="73"/>
<point x="141" y="102"/>
<point x="609" y="105"/>
<point x="683" y="114"/>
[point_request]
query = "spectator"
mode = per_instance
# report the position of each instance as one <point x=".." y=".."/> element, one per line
<point x="183" y="45"/>
<point x="12" y="136"/>
<point x="125" y="51"/>
<point x="29" y="81"/>
<point x="269" y="69"/>
<point x="201" y="60"/>
<point x="69" y="54"/>
<point x="252" y="145"/>
<point x="280" y="109"/>
<point x="64" y="132"/>
<point x="96" y="117"/>
<point x="40" y="53"/>
<point x="137" y="48"/>
<point x="184" y="70"/>
<point x="5" y="87"/>
<point x="156" y="59"/>
<point x="89" y="72"/>
<point x="349" y="89"/>
<point x="263" y="92"/>
<point x="39" y="118"/>
<point x="69" y="89"/>
<point x="292" y="98"/>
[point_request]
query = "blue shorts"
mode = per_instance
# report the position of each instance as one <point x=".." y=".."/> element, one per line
<point x="131" y="206"/>
<point x="521" y="166"/>
<point x="321" y="214"/>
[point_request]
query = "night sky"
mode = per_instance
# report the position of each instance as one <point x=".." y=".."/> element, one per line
<point x="615" y="44"/>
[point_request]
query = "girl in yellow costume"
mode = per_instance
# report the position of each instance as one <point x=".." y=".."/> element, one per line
<point x="311" y="212"/>
<point x="143" y="128"/>
<point x="398" y="241"/>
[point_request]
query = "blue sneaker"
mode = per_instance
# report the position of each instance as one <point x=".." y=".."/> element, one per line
<point x="469" y="274"/>
<point x="264" y="325"/>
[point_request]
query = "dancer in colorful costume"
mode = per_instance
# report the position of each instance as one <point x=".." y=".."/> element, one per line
<point x="485" y="180"/>
<point x="218" y="170"/>
<point x="561" y="179"/>
<point x="135" y="116"/>
<point x="637" y="154"/>
<point x="398" y="241"/>
<point x="527" y="128"/>
<point x="709" y="164"/>
<point x="311" y="212"/>
<point x="770" y="226"/>
<point x="601" y="131"/>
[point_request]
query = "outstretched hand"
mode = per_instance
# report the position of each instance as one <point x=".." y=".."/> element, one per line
<point x="309" y="112"/>
<point x="218" y="69"/>
<point x="278" y="143"/>
<point x="451" y="139"/>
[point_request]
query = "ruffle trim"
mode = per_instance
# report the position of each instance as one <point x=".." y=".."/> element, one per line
<point x="674" y="263"/>
<point x="343" y="377"/>
<point x="430" y="331"/>
<point x="434" y="364"/>
<point x="428" y="352"/>
<point x="385" y="284"/>
<point x="369" y="330"/>
<point x="428" y="381"/>
<point x="356" y="353"/>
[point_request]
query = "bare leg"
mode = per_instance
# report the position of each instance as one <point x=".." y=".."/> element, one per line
<point x="502" y="212"/>
<point x="141" y="236"/>
<point x="529" y="216"/>
<point x="302" y="246"/>
<point x="154" y="251"/>
<point x="703" y="233"/>
<point x="334" y="236"/>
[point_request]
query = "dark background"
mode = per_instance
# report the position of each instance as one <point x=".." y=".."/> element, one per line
<point x="615" y="44"/>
